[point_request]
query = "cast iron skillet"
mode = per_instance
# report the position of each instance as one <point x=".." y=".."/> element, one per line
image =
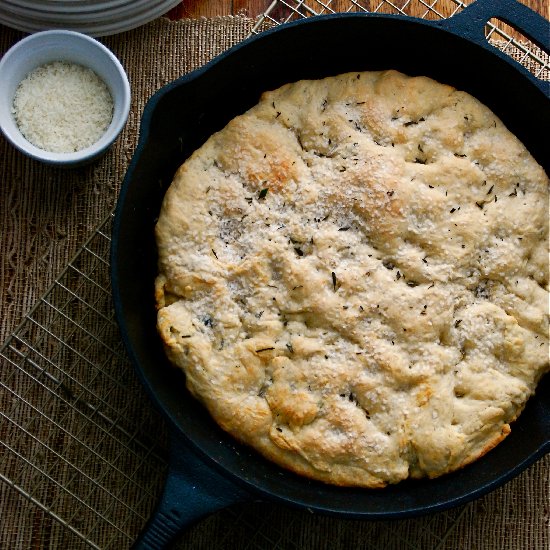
<point x="208" y="469"/>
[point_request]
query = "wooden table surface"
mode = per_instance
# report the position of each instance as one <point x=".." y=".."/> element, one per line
<point x="252" y="8"/>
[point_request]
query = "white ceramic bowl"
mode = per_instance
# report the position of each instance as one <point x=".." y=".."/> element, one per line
<point x="61" y="45"/>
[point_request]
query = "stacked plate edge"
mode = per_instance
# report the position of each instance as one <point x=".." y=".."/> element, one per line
<point x="92" y="17"/>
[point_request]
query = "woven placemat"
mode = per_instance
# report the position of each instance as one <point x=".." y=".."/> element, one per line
<point x="47" y="213"/>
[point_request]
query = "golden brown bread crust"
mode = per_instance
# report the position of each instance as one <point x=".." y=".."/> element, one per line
<point x="354" y="277"/>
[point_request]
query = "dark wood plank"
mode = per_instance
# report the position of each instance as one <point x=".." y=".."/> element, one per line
<point x="252" y="8"/>
<point x="190" y="9"/>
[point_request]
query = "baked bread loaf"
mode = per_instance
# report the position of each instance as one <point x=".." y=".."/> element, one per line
<point x="354" y="277"/>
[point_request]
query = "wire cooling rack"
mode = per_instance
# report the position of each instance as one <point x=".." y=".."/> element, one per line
<point x="77" y="445"/>
<point x="521" y="48"/>
<point x="84" y="455"/>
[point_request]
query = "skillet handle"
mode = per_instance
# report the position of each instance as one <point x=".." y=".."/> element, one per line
<point x="192" y="491"/>
<point x="470" y="23"/>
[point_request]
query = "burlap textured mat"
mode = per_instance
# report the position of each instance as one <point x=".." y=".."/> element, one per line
<point x="45" y="216"/>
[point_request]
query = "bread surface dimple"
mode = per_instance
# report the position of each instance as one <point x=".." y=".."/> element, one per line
<point x="354" y="277"/>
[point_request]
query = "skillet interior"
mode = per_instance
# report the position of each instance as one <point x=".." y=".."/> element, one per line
<point x="185" y="113"/>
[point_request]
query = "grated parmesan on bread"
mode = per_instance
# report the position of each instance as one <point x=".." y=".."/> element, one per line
<point x="62" y="107"/>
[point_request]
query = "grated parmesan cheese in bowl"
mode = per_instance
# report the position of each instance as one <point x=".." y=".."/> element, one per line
<point x="62" y="107"/>
<point x="64" y="97"/>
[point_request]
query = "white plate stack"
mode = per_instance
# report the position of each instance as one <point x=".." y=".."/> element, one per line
<point x="92" y="17"/>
